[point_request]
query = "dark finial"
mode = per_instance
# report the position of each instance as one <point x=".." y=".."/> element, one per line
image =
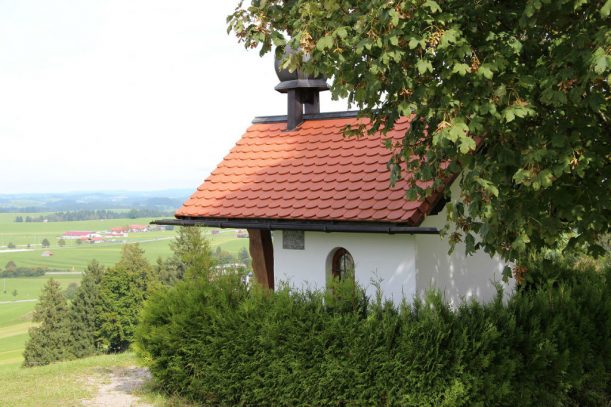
<point x="302" y="91"/>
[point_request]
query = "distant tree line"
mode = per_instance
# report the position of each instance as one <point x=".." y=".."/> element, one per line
<point x="11" y="270"/>
<point x="93" y="215"/>
<point x="101" y="315"/>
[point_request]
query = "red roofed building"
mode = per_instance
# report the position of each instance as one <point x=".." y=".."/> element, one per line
<point x="94" y="239"/>
<point x="138" y="228"/>
<point x="318" y="205"/>
<point x="78" y="234"/>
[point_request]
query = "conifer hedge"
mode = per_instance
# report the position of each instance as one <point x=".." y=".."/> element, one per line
<point x="222" y="343"/>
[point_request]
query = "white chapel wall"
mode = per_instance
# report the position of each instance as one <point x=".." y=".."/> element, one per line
<point x="457" y="275"/>
<point x="388" y="258"/>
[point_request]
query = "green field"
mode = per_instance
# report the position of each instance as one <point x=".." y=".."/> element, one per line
<point x="16" y="317"/>
<point x="74" y="257"/>
<point x="60" y="384"/>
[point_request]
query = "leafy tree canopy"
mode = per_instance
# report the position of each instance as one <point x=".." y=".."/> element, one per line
<point x="121" y="293"/>
<point x="10" y="266"/>
<point x="513" y="95"/>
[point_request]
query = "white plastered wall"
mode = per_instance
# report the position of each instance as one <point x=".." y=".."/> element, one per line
<point x="391" y="259"/>
<point x="406" y="265"/>
<point x="458" y="276"/>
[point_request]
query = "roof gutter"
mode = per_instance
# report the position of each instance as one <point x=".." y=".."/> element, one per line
<point x="328" y="227"/>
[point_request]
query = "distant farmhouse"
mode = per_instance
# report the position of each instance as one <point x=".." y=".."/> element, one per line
<point x="138" y="228"/>
<point x="79" y="234"/>
<point x="92" y="240"/>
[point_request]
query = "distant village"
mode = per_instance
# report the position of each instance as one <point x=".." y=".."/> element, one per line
<point x="88" y="236"/>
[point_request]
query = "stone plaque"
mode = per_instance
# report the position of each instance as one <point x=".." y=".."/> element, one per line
<point x="293" y="239"/>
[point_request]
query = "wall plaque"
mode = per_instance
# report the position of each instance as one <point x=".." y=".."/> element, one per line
<point x="293" y="239"/>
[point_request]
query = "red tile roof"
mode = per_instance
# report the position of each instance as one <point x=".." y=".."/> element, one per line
<point x="78" y="233"/>
<point x="311" y="173"/>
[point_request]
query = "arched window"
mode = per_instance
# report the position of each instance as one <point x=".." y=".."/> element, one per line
<point x="342" y="264"/>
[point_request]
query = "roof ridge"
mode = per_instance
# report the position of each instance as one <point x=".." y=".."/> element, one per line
<point x="309" y="116"/>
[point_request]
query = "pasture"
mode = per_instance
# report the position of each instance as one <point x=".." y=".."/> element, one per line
<point x="16" y="317"/>
<point x="75" y="257"/>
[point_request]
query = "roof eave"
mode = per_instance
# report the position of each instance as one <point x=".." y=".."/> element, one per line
<point x="309" y="226"/>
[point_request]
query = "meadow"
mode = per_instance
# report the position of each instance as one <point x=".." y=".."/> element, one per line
<point x="16" y="312"/>
<point x="18" y="295"/>
<point x="60" y="384"/>
<point x="75" y="257"/>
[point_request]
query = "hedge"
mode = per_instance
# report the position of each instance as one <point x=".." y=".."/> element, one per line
<point x="223" y="343"/>
<point x="24" y="272"/>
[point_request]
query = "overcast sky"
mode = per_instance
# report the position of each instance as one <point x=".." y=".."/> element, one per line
<point x="124" y="94"/>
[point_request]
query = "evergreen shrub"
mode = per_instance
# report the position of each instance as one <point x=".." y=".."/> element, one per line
<point x="223" y="343"/>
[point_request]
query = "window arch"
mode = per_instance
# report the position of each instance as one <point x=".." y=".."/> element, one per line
<point x="342" y="264"/>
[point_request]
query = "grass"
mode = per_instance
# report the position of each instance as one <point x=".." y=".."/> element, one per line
<point x="28" y="288"/>
<point x="11" y="314"/>
<point x="60" y="384"/>
<point x="74" y="257"/>
<point x="11" y="348"/>
<point x="64" y="384"/>
<point x="69" y="383"/>
<point x="15" y="317"/>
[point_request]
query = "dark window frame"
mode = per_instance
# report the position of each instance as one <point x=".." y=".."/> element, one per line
<point x="339" y="265"/>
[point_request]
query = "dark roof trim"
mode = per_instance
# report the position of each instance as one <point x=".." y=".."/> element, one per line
<point x="347" y="227"/>
<point x="310" y="116"/>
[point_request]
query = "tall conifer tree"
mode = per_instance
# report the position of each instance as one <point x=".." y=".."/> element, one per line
<point x="84" y="322"/>
<point x="50" y="341"/>
<point x="193" y="250"/>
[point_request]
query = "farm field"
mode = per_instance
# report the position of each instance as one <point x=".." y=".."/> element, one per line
<point x="18" y="295"/>
<point x="16" y="316"/>
<point x="75" y="257"/>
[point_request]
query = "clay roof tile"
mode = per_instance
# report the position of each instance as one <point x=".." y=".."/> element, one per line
<point x="313" y="173"/>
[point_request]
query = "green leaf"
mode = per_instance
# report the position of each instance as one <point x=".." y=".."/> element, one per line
<point x="467" y="144"/>
<point x="522" y="176"/>
<point x="432" y="5"/>
<point x="394" y="40"/>
<point x="606" y="9"/>
<point x="485" y="71"/>
<point x="449" y="37"/>
<point x="470" y="243"/>
<point x="508" y="114"/>
<point x="341" y="32"/>
<point x="405" y="108"/>
<point x="545" y="178"/>
<point x="394" y="17"/>
<point x="277" y="39"/>
<point x="424" y="65"/>
<point x="457" y="130"/>
<point x="461" y="69"/>
<point x="325" y="42"/>
<point x="507" y="273"/>
<point x="331" y="5"/>
<point x="413" y="43"/>
<point x="600" y="63"/>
